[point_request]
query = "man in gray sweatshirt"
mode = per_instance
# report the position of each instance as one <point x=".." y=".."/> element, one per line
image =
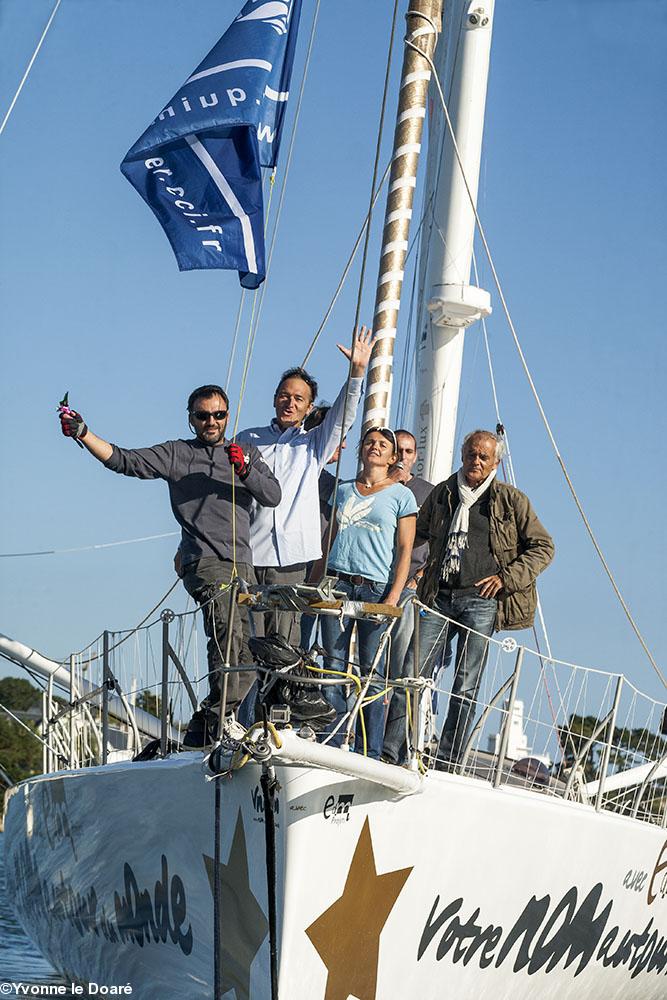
<point x="199" y="473"/>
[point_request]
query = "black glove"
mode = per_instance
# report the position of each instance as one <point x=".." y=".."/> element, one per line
<point x="72" y="424"/>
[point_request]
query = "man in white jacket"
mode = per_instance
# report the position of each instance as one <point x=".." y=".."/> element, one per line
<point x="286" y="538"/>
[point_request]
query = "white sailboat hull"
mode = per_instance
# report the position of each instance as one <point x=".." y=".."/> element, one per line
<point x="451" y="891"/>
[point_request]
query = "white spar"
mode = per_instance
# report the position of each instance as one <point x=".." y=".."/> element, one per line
<point x="448" y="304"/>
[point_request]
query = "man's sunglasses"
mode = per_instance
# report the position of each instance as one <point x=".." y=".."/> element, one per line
<point x="203" y="415"/>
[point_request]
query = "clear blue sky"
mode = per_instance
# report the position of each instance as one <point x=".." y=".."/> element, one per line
<point x="573" y="197"/>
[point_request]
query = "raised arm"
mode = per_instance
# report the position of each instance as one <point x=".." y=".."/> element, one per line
<point x="142" y="463"/>
<point x="73" y="425"/>
<point x="342" y="414"/>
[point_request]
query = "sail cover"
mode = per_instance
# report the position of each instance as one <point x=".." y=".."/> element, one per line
<point x="198" y="165"/>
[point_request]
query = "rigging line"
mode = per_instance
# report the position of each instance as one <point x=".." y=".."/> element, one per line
<point x="407" y="351"/>
<point x="29" y="67"/>
<point x="4" y="772"/>
<point x="346" y="269"/>
<point x="513" y="480"/>
<point x="524" y="364"/>
<point x="462" y="415"/>
<point x="281" y="200"/>
<point x="350" y="261"/>
<point x="257" y="300"/>
<point x="510" y="464"/>
<point x="244" y="377"/>
<point x="403" y="381"/>
<point x="409" y="355"/>
<point x="128" y="635"/>
<point x="360" y="289"/>
<point x="232" y="353"/>
<point x="88" y="548"/>
<point x="22" y="723"/>
<point x="237" y="324"/>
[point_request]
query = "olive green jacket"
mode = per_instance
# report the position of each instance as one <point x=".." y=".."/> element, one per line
<point x="519" y="543"/>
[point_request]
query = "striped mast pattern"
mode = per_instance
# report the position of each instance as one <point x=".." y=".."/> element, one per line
<point x="423" y="24"/>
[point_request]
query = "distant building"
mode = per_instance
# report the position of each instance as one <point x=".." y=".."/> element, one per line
<point x="517" y="746"/>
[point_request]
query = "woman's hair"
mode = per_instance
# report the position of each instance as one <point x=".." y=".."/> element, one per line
<point x="386" y="432"/>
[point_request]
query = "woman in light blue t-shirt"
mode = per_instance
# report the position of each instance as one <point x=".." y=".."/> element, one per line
<point x="375" y="532"/>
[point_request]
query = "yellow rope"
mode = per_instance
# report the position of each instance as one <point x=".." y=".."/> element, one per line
<point x="362" y="722"/>
<point x="374" y="697"/>
<point x="357" y="682"/>
<point x="252" y="330"/>
<point x="234" y="570"/>
<point x="237" y="761"/>
<point x="339" y="673"/>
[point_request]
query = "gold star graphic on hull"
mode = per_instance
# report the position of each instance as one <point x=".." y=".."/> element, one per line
<point x="244" y="925"/>
<point x="347" y="935"/>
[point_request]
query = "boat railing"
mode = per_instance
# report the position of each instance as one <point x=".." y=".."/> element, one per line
<point x="558" y="728"/>
<point x="536" y="723"/>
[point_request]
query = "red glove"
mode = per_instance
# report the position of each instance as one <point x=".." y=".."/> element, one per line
<point x="72" y="424"/>
<point x="238" y="459"/>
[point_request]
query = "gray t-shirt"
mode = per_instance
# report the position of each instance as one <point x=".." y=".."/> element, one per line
<point x="199" y="478"/>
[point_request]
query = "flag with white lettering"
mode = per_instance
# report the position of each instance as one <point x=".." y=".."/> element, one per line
<point x="198" y="166"/>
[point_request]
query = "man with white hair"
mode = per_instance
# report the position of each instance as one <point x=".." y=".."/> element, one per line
<point x="486" y="549"/>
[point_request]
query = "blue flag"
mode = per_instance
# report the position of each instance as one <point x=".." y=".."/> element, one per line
<point x="198" y="166"/>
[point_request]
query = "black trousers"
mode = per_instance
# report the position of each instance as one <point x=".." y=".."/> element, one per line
<point x="202" y="581"/>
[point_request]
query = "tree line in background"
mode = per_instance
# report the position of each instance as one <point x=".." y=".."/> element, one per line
<point x="20" y="751"/>
<point x="629" y="748"/>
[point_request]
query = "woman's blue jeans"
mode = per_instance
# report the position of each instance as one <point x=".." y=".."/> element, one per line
<point x="336" y="643"/>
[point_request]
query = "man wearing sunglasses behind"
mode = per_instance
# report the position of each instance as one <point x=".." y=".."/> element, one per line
<point x="200" y="472"/>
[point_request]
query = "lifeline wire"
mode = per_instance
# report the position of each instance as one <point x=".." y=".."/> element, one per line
<point x="129" y="635"/>
<point x="87" y="548"/>
<point x="29" y="67"/>
<point x="528" y="375"/>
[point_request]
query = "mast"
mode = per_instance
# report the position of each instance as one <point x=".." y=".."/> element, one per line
<point x="448" y="304"/>
<point x="423" y="23"/>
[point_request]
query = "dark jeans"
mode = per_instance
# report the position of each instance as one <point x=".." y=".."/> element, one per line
<point x="202" y="581"/>
<point x="467" y="611"/>
<point x="286" y="623"/>
<point x="336" y="644"/>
